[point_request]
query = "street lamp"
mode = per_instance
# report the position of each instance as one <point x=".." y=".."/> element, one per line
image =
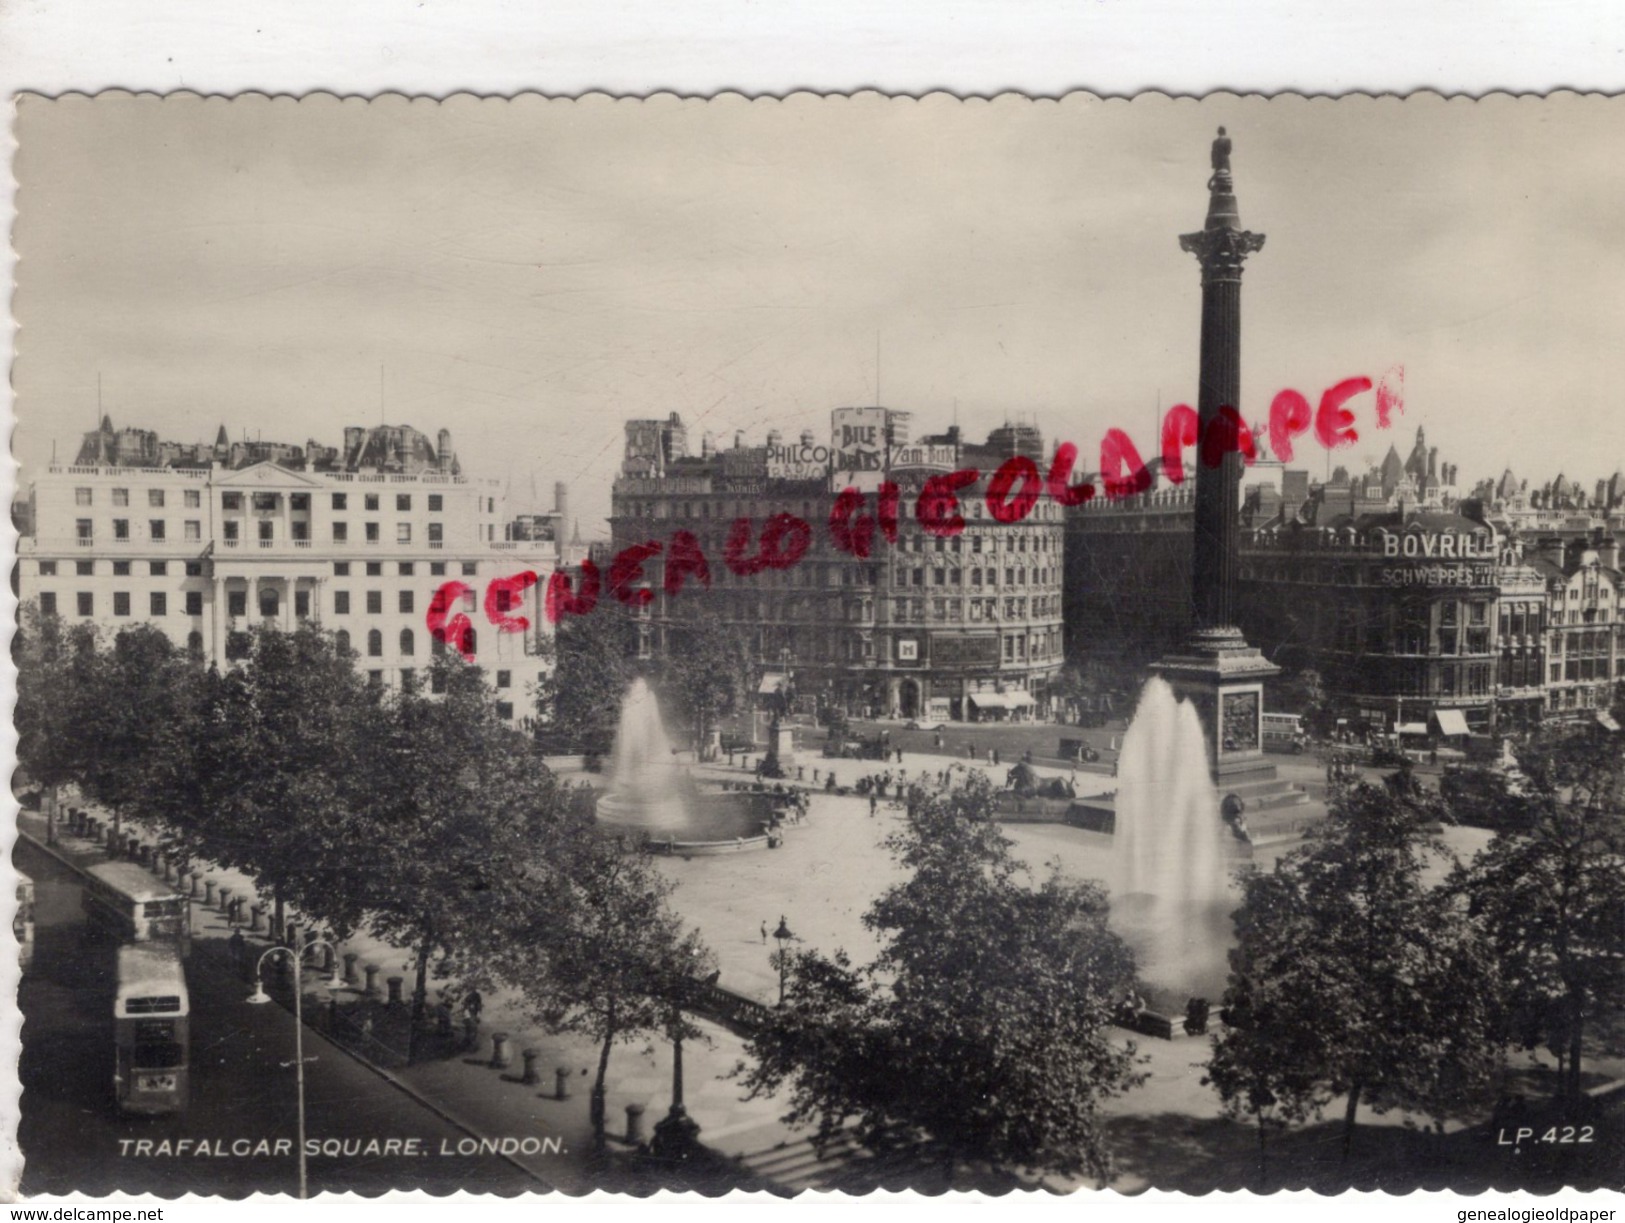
<point x="259" y="997"/>
<point x="783" y="935"/>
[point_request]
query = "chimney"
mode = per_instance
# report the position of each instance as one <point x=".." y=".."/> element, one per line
<point x="739" y="439"/>
<point x="561" y="501"/>
<point x="443" y="457"/>
<point x="352" y="440"/>
<point x="1433" y="462"/>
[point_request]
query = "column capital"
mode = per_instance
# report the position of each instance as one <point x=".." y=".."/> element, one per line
<point x="1221" y="252"/>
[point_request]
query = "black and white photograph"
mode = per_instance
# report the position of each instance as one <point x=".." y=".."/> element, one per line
<point x="827" y="643"/>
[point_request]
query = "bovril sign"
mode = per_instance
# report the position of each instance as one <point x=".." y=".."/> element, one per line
<point x="1451" y="547"/>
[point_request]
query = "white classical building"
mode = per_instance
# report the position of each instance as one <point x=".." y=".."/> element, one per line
<point x="205" y="542"/>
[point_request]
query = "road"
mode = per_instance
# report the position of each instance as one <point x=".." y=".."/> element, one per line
<point x="73" y="1139"/>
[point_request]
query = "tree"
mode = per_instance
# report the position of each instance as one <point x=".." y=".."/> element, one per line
<point x="579" y="704"/>
<point x="1551" y="892"/>
<point x="57" y="688"/>
<point x="1351" y="977"/>
<point x="458" y="807"/>
<point x="706" y="667"/>
<point x="596" y="949"/>
<point x="983" y="1025"/>
<point x="269" y="770"/>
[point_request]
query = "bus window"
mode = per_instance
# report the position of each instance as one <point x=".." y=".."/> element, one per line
<point x="151" y="1020"/>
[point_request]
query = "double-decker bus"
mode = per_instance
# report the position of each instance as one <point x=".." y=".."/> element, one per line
<point x="135" y="906"/>
<point x="1283" y="732"/>
<point x="151" y="1014"/>
<point x="22" y="923"/>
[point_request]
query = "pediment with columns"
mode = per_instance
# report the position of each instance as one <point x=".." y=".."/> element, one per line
<point x="268" y="475"/>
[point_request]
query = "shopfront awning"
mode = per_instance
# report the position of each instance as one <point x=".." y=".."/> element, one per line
<point x="1001" y="700"/>
<point x="1606" y="720"/>
<point x="1451" y="722"/>
<point x="772" y="684"/>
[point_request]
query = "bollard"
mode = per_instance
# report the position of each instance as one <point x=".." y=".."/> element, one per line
<point x="634" y="1123"/>
<point x="197" y="885"/>
<point x="208" y="893"/>
<point x="225" y="900"/>
<point x="256" y="916"/>
<point x="561" y="1083"/>
<point x="394" y="984"/>
<point x="327" y="959"/>
<point x="350" y="958"/>
<point x="371" y="988"/>
<point x="531" y="1077"/>
<point x="501" y="1055"/>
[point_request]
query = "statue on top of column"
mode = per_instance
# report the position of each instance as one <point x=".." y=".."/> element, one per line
<point x="1221" y="153"/>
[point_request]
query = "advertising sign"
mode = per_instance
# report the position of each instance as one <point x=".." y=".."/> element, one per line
<point x="859" y="437"/>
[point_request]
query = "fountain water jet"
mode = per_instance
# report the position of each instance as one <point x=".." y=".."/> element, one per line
<point x="648" y="791"/>
<point x="1171" y="890"/>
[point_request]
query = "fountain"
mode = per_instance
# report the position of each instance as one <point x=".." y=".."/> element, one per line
<point x="648" y="789"/>
<point x="652" y="796"/>
<point x="1172" y="854"/>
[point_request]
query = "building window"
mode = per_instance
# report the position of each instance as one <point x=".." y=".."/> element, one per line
<point x="405" y="597"/>
<point x="192" y="529"/>
<point x="121" y="602"/>
<point x="155" y="498"/>
<point x="372" y="532"/>
<point x="47" y="603"/>
<point x="403" y="502"/>
<point x="341" y="602"/>
<point x="237" y="645"/>
<point x="194" y="646"/>
<point x="437" y="681"/>
<point x="375" y="644"/>
<point x="301" y="530"/>
<point x="266" y="528"/>
<point x="194" y="569"/>
<point x="87" y="607"/>
<point x="84" y="569"/>
<point x="81" y="496"/>
<point x="370" y="501"/>
<point x="81" y="528"/>
<point x="505" y="710"/>
<point x="236" y="602"/>
<point x="470" y="601"/>
<point x="192" y="499"/>
<point x="435" y="502"/>
<point x="437" y="569"/>
<point x="265" y="501"/>
<point x="403" y="532"/>
<point x="155" y="529"/>
<point x="341" y="501"/>
<point x="375" y="679"/>
<point x="470" y="569"/>
<point x="406" y="569"/>
<point x="437" y="533"/>
<point x="375" y="569"/>
<point x="121" y="569"/>
<point x="408" y="643"/>
<point x="121" y="496"/>
<point x="230" y="529"/>
<point x="299" y="501"/>
<point x="159" y="603"/>
<point x="158" y="569"/>
<point x="301" y="604"/>
<point x="504" y="679"/>
<point x="231" y="501"/>
<point x="47" y="569"/>
<point x="341" y="569"/>
<point x="341" y="641"/>
<point x="121" y="528"/>
<point x="375" y="602"/>
<point x="270" y="602"/>
<point x="194" y="602"/>
<point x="409" y="679"/>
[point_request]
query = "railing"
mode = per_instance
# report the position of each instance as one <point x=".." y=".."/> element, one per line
<point x="739" y="1014"/>
<point x="301" y="543"/>
<point x="436" y="544"/>
<point x="85" y="543"/>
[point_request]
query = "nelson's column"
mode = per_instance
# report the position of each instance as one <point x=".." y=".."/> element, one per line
<point x="1216" y="669"/>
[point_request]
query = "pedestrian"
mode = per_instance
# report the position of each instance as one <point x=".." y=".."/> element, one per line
<point x="873" y="803"/>
<point x="473" y="1004"/>
<point x="764" y="934"/>
<point x="995" y="757"/>
<point x="899" y="755"/>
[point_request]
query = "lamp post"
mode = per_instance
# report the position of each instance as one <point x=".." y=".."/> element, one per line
<point x="783" y="935"/>
<point x="259" y="997"/>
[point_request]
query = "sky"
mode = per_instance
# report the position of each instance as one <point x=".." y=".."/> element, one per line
<point x="531" y="273"/>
